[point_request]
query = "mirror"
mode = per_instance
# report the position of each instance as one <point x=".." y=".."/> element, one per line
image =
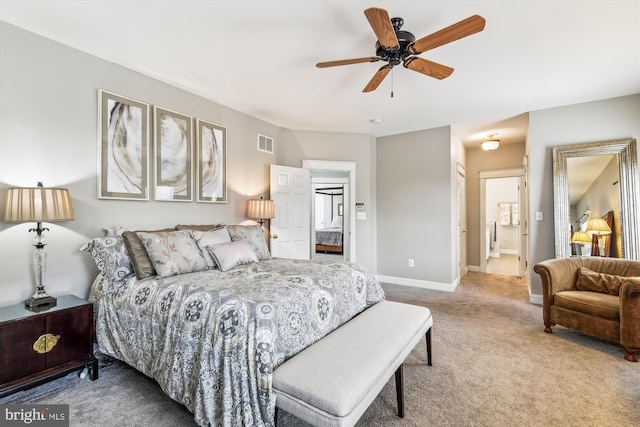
<point x="627" y="187"/>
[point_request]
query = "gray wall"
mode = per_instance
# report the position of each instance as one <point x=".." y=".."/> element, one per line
<point x="48" y="132"/>
<point x="298" y="145"/>
<point x="608" y="119"/>
<point x="416" y="218"/>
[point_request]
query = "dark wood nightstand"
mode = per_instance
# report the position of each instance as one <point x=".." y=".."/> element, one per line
<point x="38" y="347"/>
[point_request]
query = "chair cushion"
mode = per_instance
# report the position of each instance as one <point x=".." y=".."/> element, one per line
<point x="592" y="303"/>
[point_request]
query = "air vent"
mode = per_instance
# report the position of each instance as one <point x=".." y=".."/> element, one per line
<point x="265" y="143"/>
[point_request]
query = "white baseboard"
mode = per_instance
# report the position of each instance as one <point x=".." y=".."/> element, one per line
<point x="535" y="299"/>
<point x="474" y="268"/>
<point x="509" y="251"/>
<point x="425" y="284"/>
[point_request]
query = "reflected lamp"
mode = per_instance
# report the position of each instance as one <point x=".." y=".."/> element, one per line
<point x="599" y="227"/>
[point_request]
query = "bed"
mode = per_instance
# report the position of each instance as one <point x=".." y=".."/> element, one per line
<point x="329" y="240"/>
<point x="212" y="336"/>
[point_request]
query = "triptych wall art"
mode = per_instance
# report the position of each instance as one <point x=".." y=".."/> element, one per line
<point x="176" y="162"/>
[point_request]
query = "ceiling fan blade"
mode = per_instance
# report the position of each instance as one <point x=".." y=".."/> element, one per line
<point x="378" y="77"/>
<point x="381" y="25"/>
<point x="466" y="27"/>
<point x="347" y="61"/>
<point x="426" y="67"/>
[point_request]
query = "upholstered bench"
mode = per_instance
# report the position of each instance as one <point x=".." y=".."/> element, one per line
<point x="333" y="382"/>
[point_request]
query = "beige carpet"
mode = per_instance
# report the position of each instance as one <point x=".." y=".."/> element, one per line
<point x="493" y="366"/>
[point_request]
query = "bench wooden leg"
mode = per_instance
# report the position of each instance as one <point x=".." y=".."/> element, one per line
<point x="429" y="347"/>
<point x="400" y="390"/>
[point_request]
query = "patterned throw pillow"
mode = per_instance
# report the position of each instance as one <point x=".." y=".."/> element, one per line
<point x="254" y="235"/>
<point x="232" y="254"/>
<point x="204" y="239"/>
<point x="173" y="252"/>
<point x="111" y="257"/>
<point x="142" y="264"/>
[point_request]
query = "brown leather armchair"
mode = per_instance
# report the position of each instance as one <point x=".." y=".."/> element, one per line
<point x="593" y="295"/>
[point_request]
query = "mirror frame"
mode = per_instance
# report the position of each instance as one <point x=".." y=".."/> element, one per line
<point x="629" y="194"/>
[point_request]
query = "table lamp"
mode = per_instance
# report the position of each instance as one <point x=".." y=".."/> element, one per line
<point x="39" y="204"/>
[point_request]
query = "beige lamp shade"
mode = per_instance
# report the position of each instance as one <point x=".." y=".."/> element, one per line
<point x="38" y="204"/>
<point x="261" y="209"/>
<point x="580" y="237"/>
<point x="598" y="226"/>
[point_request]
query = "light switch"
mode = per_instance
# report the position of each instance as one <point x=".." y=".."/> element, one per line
<point x="361" y="215"/>
<point x="538" y="216"/>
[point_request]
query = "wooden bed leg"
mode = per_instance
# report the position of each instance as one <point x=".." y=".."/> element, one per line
<point x="428" y="337"/>
<point x="400" y="390"/>
<point x="547" y="327"/>
<point x="275" y="418"/>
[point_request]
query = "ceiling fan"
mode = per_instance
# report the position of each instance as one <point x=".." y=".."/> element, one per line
<point x="395" y="46"/>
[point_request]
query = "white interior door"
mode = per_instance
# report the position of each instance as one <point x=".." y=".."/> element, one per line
<point x="462" y="222"/>
<point x="291" y="227"/>
<point x="524" y="226"/>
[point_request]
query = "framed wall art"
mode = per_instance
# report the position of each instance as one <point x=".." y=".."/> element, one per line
<point x="211" y="169"/>
<point x="123" y="147"/>
<point x="173" y="143"/>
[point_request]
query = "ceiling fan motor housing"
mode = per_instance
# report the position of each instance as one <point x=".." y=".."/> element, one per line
<point x="396" y="56"/>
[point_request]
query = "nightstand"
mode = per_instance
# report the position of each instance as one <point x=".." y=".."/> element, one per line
<point x="38" y="347"/>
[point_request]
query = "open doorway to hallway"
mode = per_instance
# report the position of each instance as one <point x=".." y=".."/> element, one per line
<point x="502" y="219"/>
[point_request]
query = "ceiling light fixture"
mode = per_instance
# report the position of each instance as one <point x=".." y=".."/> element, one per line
<point x="492" y="143"/>
<point x="376" y="121"/>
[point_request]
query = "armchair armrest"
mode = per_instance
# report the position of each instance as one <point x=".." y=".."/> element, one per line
<point x="630" y="314"/>
<point x="557" y="275"/>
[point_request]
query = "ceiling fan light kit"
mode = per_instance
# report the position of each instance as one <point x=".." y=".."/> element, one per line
<point x="395" y="46"/>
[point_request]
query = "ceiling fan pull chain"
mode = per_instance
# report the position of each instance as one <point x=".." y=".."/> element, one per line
<point x="392" y="82"/>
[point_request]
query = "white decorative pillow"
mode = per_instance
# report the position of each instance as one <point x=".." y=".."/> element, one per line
<point x="173" y="252"/>
<point x="254" y="235"/>
<point x="204" y="239"/>
<point x="233" y="254"/>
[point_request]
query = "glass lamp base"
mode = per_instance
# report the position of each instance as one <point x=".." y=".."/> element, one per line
<point x="40" y="304"/>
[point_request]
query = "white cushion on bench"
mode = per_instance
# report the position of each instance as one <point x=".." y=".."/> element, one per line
<point x="333" y="382"/>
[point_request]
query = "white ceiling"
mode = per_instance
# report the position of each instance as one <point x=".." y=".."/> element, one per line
<point x="259" y="56"/>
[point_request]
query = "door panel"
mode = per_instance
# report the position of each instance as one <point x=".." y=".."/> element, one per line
<point x="291" y="227"/>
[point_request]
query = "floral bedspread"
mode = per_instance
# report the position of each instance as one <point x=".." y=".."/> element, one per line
<point x="212" y="339"/>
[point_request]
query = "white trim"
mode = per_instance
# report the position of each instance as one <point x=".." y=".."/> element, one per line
<point x="535" y="299"/>
<point x="504" y="173"/>
<point x="474" y="268"/>
<point x="509" y="251"/>
<point x="424" y="284"/>
<point x="484" y="175"/>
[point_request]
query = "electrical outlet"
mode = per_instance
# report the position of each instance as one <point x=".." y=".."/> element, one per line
<point x="411" y="263"/>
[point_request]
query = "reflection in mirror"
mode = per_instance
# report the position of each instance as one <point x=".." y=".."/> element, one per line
<point x="597" y="180"/>
<point x="593" y="193"/>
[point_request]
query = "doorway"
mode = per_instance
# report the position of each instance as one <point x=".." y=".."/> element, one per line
<point x="503" y="222"/>
<point x="329" y="221"/>
<point x="342" y="174"/>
